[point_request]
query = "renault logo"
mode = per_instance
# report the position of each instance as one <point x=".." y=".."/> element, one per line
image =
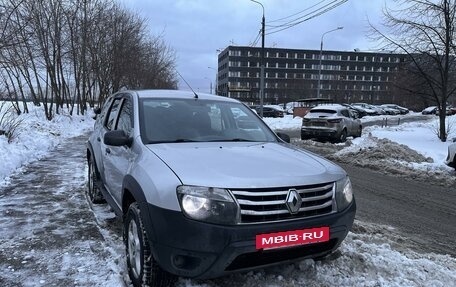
<point x="293" y="201"/>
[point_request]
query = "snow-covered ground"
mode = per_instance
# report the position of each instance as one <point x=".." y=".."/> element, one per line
<point x="37" y="136"/>
<point x="370" y="256"/>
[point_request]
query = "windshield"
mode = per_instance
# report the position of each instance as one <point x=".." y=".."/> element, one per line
<point x="199" y="120"/>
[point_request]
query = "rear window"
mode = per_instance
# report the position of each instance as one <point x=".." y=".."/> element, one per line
<point x="322" y="111"/>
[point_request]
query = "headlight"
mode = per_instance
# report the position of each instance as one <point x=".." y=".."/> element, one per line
<point x="344" y="193"/>
<point x="208" y="204"/>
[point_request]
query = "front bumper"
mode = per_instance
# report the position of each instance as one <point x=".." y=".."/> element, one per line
<point x="199" y="250"/>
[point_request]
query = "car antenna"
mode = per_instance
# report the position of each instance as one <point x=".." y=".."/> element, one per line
<point x="196" y="95"/>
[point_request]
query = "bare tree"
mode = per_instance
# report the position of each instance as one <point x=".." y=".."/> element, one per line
<point x="425" y="31"/>
<point x="76" y="52"/>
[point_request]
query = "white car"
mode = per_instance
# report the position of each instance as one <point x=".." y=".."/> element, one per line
<point x="451" y="158"/>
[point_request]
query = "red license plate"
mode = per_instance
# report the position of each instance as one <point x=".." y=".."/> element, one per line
<point x="292" y="238"/>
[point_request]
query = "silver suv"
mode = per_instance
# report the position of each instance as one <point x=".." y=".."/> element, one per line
<point x="205" y="188"/>
<point x="333" y="122"/>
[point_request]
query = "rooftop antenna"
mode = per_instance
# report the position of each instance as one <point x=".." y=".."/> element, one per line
<point x="196" y="95"/>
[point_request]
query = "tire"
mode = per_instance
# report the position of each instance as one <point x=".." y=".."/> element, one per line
<point x="142" y="268"/>
<point x="343" y="136"/>
<point x="304" y="137"/>
<point x="93" y="190"/>
<point x="360" y="132"/>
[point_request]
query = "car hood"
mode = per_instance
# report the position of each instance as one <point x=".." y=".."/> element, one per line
<point x="245" y="165"/>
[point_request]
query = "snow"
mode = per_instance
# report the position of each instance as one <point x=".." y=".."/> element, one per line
<point x="371" y="255"/>
<point x="36" y="137"/>
<point x="285" y="123"/>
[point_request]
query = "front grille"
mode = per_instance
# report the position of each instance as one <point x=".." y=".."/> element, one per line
<point x="266" y="205"/>
<point x="266" y="257"/>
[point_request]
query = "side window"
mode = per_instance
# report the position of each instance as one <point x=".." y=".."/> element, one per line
<point x="113" y="114"/>
<point x="125" y="121"/>
<point x="243" y="121"/>
<point x="104" y="109"/>
<point x="345" y="113"/>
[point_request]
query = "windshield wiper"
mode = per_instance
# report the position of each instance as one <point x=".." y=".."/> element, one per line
<point x="173" y="141"/>
<point x="234" y="140"/>
<point x="182" y="141"/>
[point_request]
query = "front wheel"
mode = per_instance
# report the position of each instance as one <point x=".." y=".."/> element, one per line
<point x="93" y="190"/>
<point x="142" y="268"/>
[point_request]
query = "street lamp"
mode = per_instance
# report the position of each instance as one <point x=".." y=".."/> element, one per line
<point x="210" y="87"/>
<point x="216" y="80"/>
<point x="321" y="51"/>
<point x="261" y="60"/>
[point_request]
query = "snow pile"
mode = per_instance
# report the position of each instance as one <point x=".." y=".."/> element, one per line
<point x="36" y="136"/>
<point x="285" y="123"/>
<point x="411" y="150"/>
<point x="375" y="153"/>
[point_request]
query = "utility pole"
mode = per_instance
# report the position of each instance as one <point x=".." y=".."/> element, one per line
<point x="261" y="60"/>
<point x="321" y="55"/>
<point x="216" y="80"/>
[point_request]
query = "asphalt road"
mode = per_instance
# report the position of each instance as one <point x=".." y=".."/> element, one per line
<point x="424" y="213"/>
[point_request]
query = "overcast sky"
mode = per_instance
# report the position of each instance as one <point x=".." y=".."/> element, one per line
<point x="197" y="29"/>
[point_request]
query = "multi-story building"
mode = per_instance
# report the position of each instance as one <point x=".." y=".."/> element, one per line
<point x="292" y="74"/>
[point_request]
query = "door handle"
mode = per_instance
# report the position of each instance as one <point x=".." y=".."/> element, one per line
<point x="99" y="139"/>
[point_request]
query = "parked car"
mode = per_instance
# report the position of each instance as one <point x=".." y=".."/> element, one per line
<point x="271" y="112"/>
<point x="448" y="111"/>
<point x="205" y="188"/>
<point x="367" y="109"/>
<point x="402" y="110"/>
<point x="432" y="110"/>
<point x="452" y="111"/>
<point x="333" y="122"/>
<point x="451" y="157"/>
<point x="360" y="112"/>
<point x="390" y="111"/>
<point x="378" y="109"/>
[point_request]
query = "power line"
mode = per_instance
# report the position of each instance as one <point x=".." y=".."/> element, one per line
<point x="292" y="15"/>
<point x="255" y="42"/>
<point x="317" y="12"/>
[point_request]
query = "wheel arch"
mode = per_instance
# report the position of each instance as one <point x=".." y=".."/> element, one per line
<point x="89" y="150"/>
<point x="90" y="155"/>
<point x="133" y="192"/>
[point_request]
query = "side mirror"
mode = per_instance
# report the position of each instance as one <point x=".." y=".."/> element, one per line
<point x="117" y="138"/>
<point x="284" y="137"/>
<point x="96" y="111"/>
